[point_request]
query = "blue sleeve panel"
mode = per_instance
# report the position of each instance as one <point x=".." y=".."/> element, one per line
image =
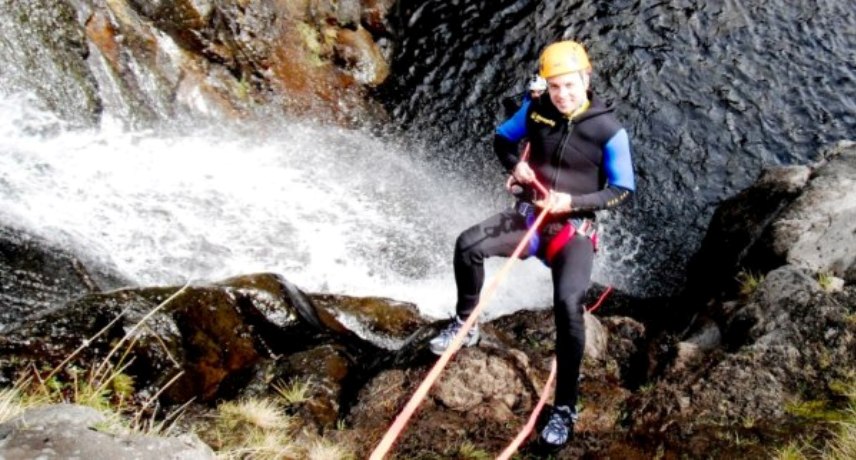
<point x="617" y="162"/>
<point x="514" y="129"/>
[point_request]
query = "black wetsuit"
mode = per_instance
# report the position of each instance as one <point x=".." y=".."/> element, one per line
<point x="588" y="158"/>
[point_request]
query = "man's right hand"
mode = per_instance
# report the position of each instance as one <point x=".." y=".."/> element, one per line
<point x="523" y="174"/>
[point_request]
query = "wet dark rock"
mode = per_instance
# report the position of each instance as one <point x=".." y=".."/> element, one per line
<point x="282" y="316"/>
<point x="626" y="353"/>
<point x="200" y="332"/>
<point x="375" y="16"/>
<point x="45" y="52"/>
<point x="37" y="274"/>
<point x="218" y="336"/>
<point x="325" y="370"/>
<point x="215" y="334"/>
<point x="68" y="431"/>
<point x="385" y="323"/>
<point x="737" y="225"/>
<point x="149" y="61"/>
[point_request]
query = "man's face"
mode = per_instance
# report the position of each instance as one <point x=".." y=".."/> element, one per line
<point x="568" y="91"/>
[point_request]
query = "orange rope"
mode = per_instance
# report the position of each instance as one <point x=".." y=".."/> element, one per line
<point x="600" y="300"/>
<point x="512" y="448"/>
<point x="401" y="421"/>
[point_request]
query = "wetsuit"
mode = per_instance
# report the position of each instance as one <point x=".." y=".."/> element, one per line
<point x="587" y="157"/>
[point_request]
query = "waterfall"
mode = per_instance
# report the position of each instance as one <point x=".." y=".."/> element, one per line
<point x="333" y="210"/>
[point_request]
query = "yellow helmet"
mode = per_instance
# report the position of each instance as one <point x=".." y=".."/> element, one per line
<point x="563" y="57"/>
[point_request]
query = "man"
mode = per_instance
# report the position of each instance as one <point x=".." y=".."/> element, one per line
<point x="582" y="155"/>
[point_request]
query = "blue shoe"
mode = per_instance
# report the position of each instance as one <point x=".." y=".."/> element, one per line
<point x="560" y="428"/>
<point x="440" y="343"/>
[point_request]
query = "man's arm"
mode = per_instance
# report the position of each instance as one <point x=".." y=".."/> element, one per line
<point x="620" y="180"/>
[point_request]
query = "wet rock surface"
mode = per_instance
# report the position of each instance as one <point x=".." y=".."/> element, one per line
<point x="37" y="274"/>
<point x="148" y="62"/>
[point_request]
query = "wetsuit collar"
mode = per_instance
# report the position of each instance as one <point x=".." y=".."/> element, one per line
<point x="580" y="110"/>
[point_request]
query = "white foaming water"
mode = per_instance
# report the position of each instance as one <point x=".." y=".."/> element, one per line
<point x="332" y="210"/>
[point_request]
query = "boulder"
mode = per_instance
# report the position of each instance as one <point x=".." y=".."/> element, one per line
<point x="359" y="53"/>
<point x="374" y="16"/>
<point x="385" y="323"/>
<point x="68" y="431"/>
<point x="484" y="384"/>
<point x="37" y="274"/>
<point x="625" y="351"/>
<point x="482" y="390"/>
<point x="818" y="231"/>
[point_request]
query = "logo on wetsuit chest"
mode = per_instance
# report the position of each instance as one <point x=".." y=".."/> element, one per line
<point x="539" y="119"/>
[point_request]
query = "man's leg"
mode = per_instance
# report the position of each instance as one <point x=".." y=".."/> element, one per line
<point x="571" y="278"/>
<point x="498" y="235"/>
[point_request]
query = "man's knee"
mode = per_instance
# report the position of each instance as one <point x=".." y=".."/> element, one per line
<point x="467" y="248"/>
<point x="570" y="306"/>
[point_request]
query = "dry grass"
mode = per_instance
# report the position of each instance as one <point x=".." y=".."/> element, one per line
<point x="321" y="449"/>
<point x="262" y="414"/>
<point x="842" y="446"/>
<point x="254" y="428"/>
<point x="259" y="428"/>
<point x="295" y="393"/>
<point x="10" y="404"/>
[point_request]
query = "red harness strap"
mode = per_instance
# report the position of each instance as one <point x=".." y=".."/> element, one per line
<point x="565" y="234"/>
<point x="559" y="241"/>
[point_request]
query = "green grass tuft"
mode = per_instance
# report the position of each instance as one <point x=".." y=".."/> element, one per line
<point x="749" y="282"/>
<point x="295" y="393"/>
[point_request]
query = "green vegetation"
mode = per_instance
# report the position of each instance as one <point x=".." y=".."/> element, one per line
<point x="749" y="282"/>
<point x="295" y="393"/>
<point x="842" y="425"/>
<point x="469" y="451"/>
<point x="312" y="41"/>
<point x="825" y="280"/>
<point x="814" y="410"/>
